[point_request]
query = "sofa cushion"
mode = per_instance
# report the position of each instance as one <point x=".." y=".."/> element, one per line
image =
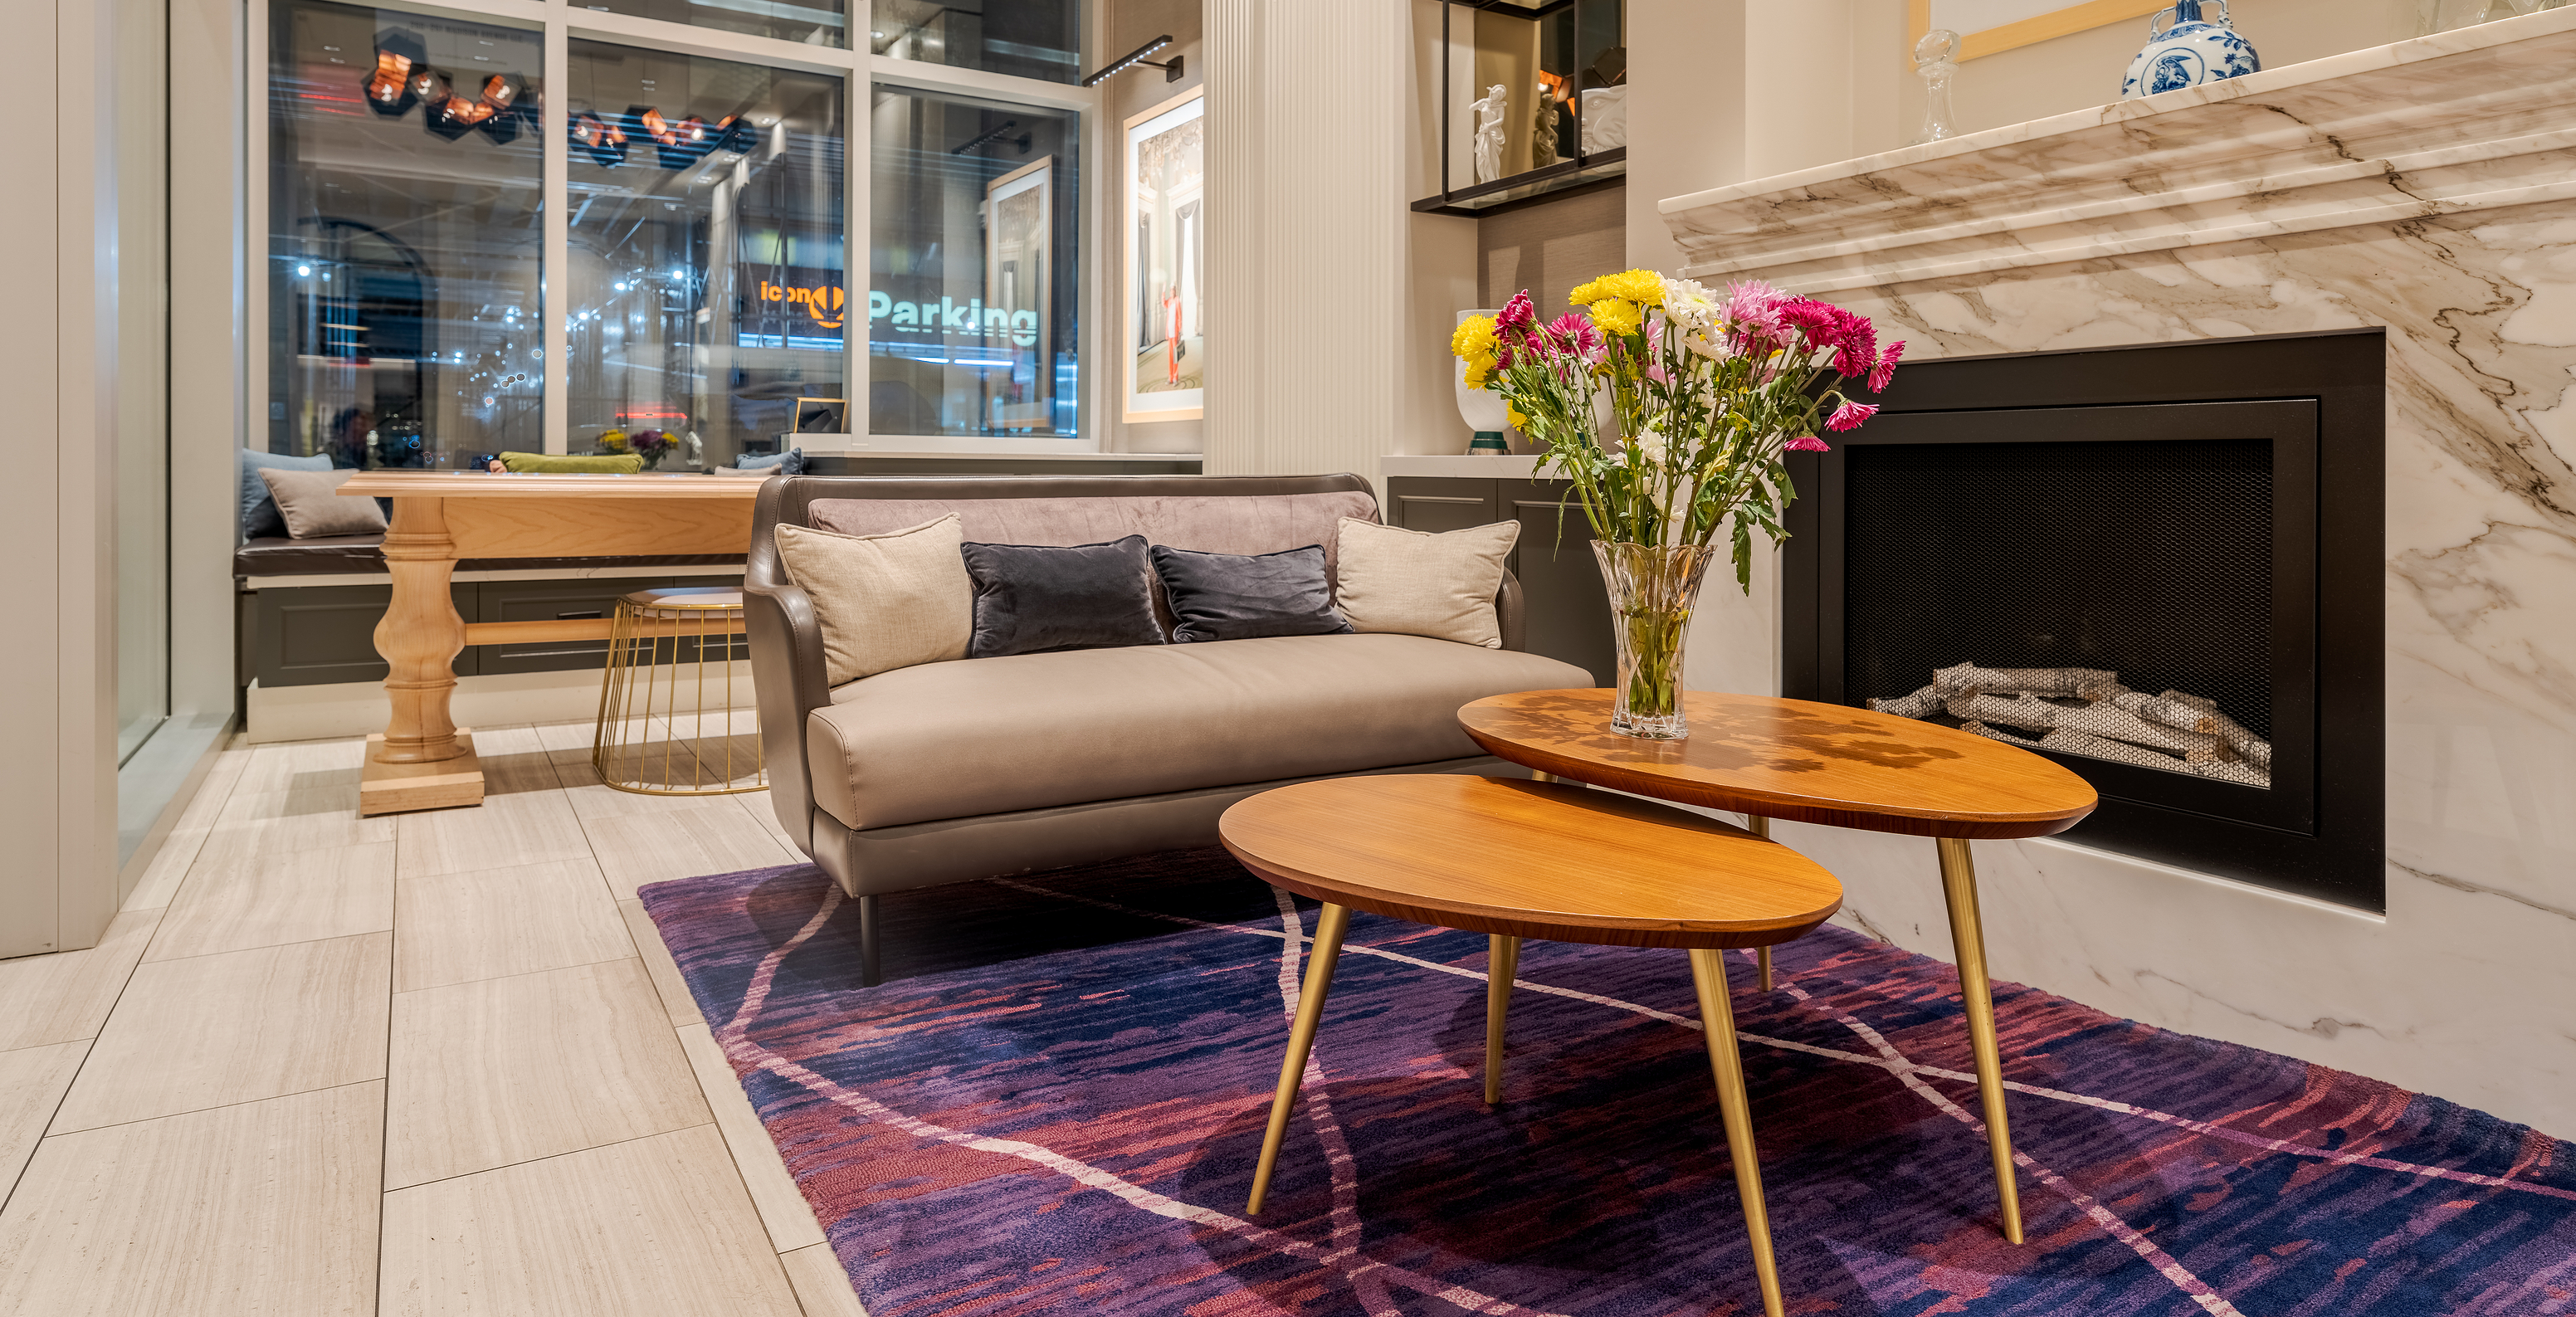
<point x="1031" y="598"/>
<point x="311" y="505"/>
<point x="883" y="601"/>
<point x="1029" y="731"/>
<point x="1234" y="523"/>
<point x="1237" y="596"/>
<point x="259" y="515"/>
<point x="1419" y="584"/>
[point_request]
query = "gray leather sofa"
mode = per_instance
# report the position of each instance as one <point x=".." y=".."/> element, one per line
<point x="980" y="768"/>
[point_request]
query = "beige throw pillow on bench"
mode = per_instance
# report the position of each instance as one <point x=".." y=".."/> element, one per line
<point x="312" y="503"/>
<point x="1418" y="584"/>
<point x="884" y="601"/>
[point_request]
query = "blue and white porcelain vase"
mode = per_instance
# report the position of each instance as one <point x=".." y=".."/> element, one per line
<point x="2189" y="53"/>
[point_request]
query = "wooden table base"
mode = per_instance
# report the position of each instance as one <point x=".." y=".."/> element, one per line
<point x="385" y="788"/>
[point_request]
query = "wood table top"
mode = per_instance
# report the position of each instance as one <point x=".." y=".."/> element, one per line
<point x="485" y="484"/>
<point x="1529" y="859"/>
<point x="1794" y="759"/>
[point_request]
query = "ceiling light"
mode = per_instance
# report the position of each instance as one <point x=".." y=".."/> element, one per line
<point x="1171" y="71"/>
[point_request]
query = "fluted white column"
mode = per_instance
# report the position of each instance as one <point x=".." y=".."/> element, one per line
<point x="1307" y="119"/>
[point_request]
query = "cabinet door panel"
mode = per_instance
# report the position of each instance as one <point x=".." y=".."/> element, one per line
<point x="1437" y="505"/>
<point x="1569" y="611"/>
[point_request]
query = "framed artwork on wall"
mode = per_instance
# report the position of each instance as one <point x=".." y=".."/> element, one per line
<point x="1019" y="209"/>
<point x="1986" y="27"/>
<point x="1165" y="262"/>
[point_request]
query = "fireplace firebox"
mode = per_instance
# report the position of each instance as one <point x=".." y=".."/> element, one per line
<point x="2159" y="566"/>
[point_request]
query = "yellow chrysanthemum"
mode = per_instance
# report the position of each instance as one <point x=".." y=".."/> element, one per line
<point x="1642" y="287"/>
<point x="1478" y="372"/>
<point x="1519" y="422"/>
<point x="1474" y="338"/>
<point x="1616" y="316"/>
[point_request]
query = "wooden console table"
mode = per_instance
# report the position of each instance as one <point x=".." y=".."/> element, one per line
<point x="1841" y="767"/>
<point x="422" y="761"/>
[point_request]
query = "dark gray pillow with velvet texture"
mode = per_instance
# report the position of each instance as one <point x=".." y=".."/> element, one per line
<point x="1238" y="596"/>
<point x="1032" y="598"/>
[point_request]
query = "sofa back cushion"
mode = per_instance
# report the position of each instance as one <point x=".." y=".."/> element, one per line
<point x="1032" y="598"/>
<point x="1232" y="523"/>
<point x="883" y="601"/>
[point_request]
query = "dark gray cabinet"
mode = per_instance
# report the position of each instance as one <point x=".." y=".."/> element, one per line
<point x="311" y="635"/>
<point x="1569" y="612"/>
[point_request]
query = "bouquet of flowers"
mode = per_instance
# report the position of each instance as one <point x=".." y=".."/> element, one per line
<point x="1708" y="391"/>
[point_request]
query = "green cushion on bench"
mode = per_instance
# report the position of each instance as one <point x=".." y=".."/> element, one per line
<point x="615" y="464"/>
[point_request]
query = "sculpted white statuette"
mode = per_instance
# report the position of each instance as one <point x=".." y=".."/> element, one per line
<point x="1935" y="61"/>
<point x="1489" y="132"/>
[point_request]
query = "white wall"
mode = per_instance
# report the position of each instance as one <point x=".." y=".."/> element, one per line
<point x="1308" y="235"/>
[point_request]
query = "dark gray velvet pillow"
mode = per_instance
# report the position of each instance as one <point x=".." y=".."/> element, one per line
<point x="1032" y="598"/>
<point x="1234" y="596"/>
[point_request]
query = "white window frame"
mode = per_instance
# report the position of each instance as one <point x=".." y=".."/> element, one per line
<point x="860" y="71"/>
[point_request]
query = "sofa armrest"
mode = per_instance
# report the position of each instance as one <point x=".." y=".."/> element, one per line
<point x="1510" y="614"/>
<point x="788" y="675"/>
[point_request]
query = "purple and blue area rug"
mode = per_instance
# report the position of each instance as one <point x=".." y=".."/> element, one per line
<point x="1053" y="1105"/>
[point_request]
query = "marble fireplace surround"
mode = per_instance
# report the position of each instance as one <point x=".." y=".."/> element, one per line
<point x="2428" y="187"/>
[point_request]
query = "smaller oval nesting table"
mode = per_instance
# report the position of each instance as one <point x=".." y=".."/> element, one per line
<point x="1770" y="758"/>
<point x="1514" y="859"/>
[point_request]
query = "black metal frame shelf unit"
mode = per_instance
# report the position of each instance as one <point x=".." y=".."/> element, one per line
<point x="1585" y="172"/>
<point x="2254" y="463"/>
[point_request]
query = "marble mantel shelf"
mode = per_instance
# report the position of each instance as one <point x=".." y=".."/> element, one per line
<point x="2462" y="121"/>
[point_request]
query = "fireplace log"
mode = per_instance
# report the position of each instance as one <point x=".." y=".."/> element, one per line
<point x="2082" y="743"/>
<point x="1921" y="704"/>
<point x="2247" y="745"/>
<point x="2244" y="773"/>
<point x="2104" y="720"/>
<point x="1969" y="679"/>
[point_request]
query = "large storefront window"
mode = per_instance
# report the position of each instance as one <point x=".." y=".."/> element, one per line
<point x="405" y="247"/>
<point x="1039" y="39"/>
<point x="810" y="22"/>
<point x="972" y="324"/>
<point x="705" y="287"/>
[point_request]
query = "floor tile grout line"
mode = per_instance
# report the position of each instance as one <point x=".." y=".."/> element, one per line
<point x="708" y="1123"/>
<point x="90" y="1050"/>
<point x="199" y="1111"/>
<point x="530" y="973"/>
<point x="733" y="1158"/>
<point x="386" y="931"/>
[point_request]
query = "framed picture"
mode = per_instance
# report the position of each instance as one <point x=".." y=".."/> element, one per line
<point x="1988" y="26"/>
<point x="1165" y="243"/>
<point x="1019" y="210"/>
<point x="821" y="416"/>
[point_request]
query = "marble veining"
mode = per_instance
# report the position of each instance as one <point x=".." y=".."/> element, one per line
<point x="2427" y="187"/>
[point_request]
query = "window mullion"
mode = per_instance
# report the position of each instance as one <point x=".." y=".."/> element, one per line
<point x="556" y="263"/>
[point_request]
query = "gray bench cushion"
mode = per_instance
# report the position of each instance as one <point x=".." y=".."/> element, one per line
<point x="1030" y="731"/>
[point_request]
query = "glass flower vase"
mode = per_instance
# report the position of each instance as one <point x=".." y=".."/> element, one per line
<point x="1653" y="588"/>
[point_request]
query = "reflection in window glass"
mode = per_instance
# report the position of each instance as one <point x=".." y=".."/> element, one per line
<point x="706" y="285"/>
<point x="971" y="302"/>
<point x="1024" y="38"/>
<point x="813" y="22"/>
<point x="404" y="243"/>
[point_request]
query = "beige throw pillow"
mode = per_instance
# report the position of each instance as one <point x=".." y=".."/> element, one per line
<point x="1419" y="584"/>
<point x="312" y="504"/>
<point x="884" y="601"/>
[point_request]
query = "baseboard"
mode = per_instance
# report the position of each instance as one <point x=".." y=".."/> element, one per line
<point x="357" y="708"/>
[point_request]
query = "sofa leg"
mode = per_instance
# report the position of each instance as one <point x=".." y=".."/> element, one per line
<point x="871" y="968"/>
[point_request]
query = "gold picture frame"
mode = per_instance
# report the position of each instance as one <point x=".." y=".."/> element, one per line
<point x="2040" y="27"/>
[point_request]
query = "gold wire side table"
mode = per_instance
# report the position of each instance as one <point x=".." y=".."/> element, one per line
<point x="670" y="722"/>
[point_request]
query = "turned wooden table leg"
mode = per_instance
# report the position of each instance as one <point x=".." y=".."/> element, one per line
<point x="421" y="761"/>
<point x="1959" y="889"/>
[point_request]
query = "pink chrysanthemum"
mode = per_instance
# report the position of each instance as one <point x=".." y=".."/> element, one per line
<point x="1808" y="444"/>
<point x="1517" y="314"/>
<point x="1848" y="417"/>
<point x="1884" y="373"/>
<point x="1753" y="307"/>
<point x="1574" y="332"/>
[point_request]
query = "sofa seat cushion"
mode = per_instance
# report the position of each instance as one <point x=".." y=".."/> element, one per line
<point x="1030" y="731"/>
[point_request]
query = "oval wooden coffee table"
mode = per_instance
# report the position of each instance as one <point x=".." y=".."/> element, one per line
<point x="1771" y="758"/>
<point x="1514" y="859"/>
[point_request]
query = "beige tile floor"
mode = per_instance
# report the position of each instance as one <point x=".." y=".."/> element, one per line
<point x="432" y="1065"/>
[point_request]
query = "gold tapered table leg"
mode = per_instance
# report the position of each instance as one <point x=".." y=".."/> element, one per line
<point x="1327" y="951"/>
<point x="1502" y="961"/>
<point x="1726" y="1063"/>
<point x="1761" y="827"/>
<point x="1959" y="890"/>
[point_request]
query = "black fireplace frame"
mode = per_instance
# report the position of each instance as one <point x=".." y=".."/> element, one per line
<point x="2321" y="832"/>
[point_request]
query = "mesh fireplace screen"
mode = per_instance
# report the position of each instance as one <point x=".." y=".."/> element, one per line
<point x="2151" y="559"/>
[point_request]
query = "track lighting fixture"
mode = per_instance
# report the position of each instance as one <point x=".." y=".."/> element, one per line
<point x="1171" y="71"/>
